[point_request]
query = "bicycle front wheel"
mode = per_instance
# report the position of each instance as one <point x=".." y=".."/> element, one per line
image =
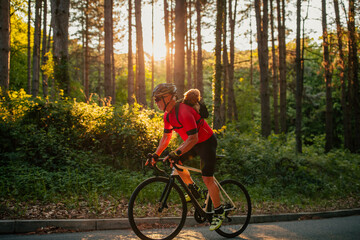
<point x="153" y="214"/>
<point x="238" y="209"/>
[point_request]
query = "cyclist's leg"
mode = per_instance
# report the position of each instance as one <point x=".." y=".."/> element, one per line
<point x="185" y="174"/>
<point x="207" y="152"/>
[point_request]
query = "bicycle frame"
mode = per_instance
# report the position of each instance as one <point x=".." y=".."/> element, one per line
<point x="202" y="210"/>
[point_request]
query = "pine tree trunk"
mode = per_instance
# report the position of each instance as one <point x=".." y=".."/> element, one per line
<point x="327" y="74"/>
<point x="140" y="78"/>
<point x="167" y="60"/>
<point x="108" y="48"/>
<point x="131" y="91"/>
<point x="232" y="110"/>
<point x="44" y="51"/>
<point x="299" y="85"/>
<point x="28" y="48"/>
<point x="188" y="49"/>
<point x="60" y="13"/>
<point x="225" y="69"/>
<point x="113" y="70"/>
<point x="263" y="51"/>
<point x="4" y="44"/>
<point x="341" y="68"/>
<point x="218" y="67"/>
<point x="179" y="64"/>
<point x="36" y="50"/>
<point x="282" y="63"/>
<point x="274" y="73"/>
<point x="199" y="77"/>
<point x="353" y="81"/>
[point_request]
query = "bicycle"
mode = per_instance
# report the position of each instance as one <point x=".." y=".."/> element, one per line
<point x="158" y="208"/>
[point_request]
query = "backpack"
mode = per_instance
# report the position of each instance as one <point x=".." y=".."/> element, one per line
<point x="204" y="113"/>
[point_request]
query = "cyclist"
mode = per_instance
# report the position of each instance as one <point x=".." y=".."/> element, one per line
<point x="198" y="138"/>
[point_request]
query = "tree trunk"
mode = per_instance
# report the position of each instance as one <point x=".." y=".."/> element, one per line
<point x="131" y="91"/>
<point x="36" y="50"/>
<point x="28" y="48"/>
<point x="179" y="64"/>
<point x="225" y="69"/>
<point x="327" y="74"/>
<point x="263" y="51"/>
<point x="60" y="13"/>
<point x="113" y="70"/>
<point x="188" y="49"/>
<point x="152" y="53"/>
<point x="140" y="78"/>
<point x="4" y="44"/>
<point x="282" y="63"/>
<point x="218" y="67"/>
<point x="299" y="84"/>
<point x="274" y="73"/>
<point x="167" y="60"/>
<point x="232" y="110"/>
<point x="199" y="77"/>
<point x="108" y="48"/>
<point x="86" y="52"/>
<point x="44" y="51"/>
<point x="353" y="81"/>
<point x="341" y="68"/>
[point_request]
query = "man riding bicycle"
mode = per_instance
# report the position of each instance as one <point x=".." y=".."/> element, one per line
<point x="199" y="140"/>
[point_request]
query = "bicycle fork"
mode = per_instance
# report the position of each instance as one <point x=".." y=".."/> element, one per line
<point x="165" y="195"/>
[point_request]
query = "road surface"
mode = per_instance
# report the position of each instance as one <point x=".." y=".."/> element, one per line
<point x="344" y="228"/>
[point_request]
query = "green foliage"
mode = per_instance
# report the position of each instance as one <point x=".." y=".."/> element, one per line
<point x="272" y="169"/>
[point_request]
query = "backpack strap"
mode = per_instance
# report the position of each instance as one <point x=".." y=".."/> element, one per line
<point x="177" y="106"/>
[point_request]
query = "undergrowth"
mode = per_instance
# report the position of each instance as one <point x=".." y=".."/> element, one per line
<point x="70" y="152"/>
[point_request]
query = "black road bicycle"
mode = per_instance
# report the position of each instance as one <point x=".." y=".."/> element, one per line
<point x="158" y="207"/>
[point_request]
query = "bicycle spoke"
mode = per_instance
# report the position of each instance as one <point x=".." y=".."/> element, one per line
<point x="151" y="219"/>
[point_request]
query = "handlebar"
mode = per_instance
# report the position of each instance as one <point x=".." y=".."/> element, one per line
<point x="153" y="164"/>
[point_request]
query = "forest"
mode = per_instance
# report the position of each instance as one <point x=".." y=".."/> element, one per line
<point x="280" y="78"/>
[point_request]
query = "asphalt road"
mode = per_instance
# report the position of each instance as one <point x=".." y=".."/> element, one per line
<point x="344" y="228"/>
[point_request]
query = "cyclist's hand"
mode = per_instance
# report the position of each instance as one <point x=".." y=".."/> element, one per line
<point x="173" y="157"/>
<point x="152" y="159"/>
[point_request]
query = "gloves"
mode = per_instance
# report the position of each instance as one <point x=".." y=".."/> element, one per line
<point x="152" y="159"/>
<point x="174" y="156"/>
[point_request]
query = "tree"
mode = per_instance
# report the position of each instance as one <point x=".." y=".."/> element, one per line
<point x="353" y="80"/>
<point x="299" y="80"/>
<point x="4" y="44"/>
<point x="36" y="50"/>
<point x="167" y="44"/>
<point x="263" y="51"/>
<point x="218" y="67"/>
<point x="341" y="67"/>
<point x="199" y="76"/>
<point x="140" y="67"/>
<point x="60" y="14"/>
<point x="29" y="49"/>
<point x="327" y="74"/>
<point x="44" y="51"/>
<point x="232" y="110"/>
<point x="274" y="72"/>
<point x="188" y="47"/>
<point x="131" y="91"/>
<point x="108" y="49"/>
<point x="179" y="63"/>
<point x="282" y="62"/>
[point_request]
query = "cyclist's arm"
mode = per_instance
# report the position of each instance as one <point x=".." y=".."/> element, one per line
<point x="190" y="142"/>
<point x="164" y="142"/>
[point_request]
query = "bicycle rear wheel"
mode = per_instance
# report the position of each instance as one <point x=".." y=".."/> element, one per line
<point x="238" y="216"/>
<point x="146" y="216"/>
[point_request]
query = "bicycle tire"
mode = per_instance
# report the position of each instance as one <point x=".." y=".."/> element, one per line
<point x="240" y="217"/>
<point x="163" y="225"/>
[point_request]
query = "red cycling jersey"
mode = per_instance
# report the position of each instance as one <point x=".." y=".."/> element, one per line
<point x="191" y="123"/>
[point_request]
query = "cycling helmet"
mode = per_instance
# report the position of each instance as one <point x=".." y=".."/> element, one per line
<point x="163" y="89"/>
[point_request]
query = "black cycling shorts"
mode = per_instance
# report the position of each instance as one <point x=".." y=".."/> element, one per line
<point x="207" y="152"/>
